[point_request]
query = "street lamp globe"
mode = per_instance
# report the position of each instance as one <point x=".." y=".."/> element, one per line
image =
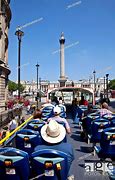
<point x="19" y="34"/>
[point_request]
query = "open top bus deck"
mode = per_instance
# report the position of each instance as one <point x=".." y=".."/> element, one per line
<point x="85" y="166"/>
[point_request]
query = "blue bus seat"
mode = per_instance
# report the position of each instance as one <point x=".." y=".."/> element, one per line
<point x="88" y="121"/>
<point x="14" y="164"/>
<point x="35" y="125"/>
<point x="113" y="123"/>
<point x="107" y="144"/>
<point x="63" y="113"/>
<point x="97" y="127"/>
<point x="27" y="139"/>
<point x="51" y="163"/>
<point x="109" y="116"/>
<point x="47" y="112"/>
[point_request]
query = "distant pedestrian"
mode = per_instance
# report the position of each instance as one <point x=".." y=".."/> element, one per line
<point x="28" y="109"/>
<point x="1" y="132"/>
<point x="13" y="125"/>
<point x="22" y="120"/>
<point x="5" y="132"/>
<point x="55" y="101"/>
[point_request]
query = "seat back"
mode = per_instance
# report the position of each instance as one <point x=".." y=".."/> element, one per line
<point x="63" y="113"/>
<point x="97" y="127"/>
<point x="109" y="116"/>
<point x="107" y="142"/>
<point x="113" y="123"/>
<point x="47" y="112"/>
<point x="14" y="164"/>
<point x="88" y="120"/>
<point x="27" y="139"/>
<point x="51" y="163"/>
<point x="35" y="125"/>
<point x="80" y="111"/>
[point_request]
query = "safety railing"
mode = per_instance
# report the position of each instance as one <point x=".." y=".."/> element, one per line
<point x="19" y="127"/>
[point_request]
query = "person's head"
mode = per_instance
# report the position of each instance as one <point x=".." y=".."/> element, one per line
<point x="105" y="105"/>
<point x="90" y="107"/>
<point x="23" y="118"/>
<point x="57" y="110"/>
<point x="55" y="99"/>
<point x="5" y="128"/>
<point x="53" y="132"/>
<point x="60" y="98"/>
<point x="82" y="97"/>
<point x="37" y="114"/>
<point x="16" y="118"/>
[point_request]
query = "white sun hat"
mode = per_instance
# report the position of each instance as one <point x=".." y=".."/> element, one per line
<point x="53" y="132"/>
<point x="57" y="110"/>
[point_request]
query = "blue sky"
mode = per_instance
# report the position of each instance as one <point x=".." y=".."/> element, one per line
<point x="91" y="22"/>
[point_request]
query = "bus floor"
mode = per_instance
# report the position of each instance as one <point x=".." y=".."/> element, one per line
<point x="82" y="153"/>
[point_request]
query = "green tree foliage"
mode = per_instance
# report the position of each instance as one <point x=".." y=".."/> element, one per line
<point x="12" y="86"/>
<point x="112" y="84"/>
<point x="21" y="88"/>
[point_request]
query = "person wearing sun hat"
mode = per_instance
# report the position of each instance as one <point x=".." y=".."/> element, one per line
<point x="57" y="111"/>
<point x="53" y="134"/>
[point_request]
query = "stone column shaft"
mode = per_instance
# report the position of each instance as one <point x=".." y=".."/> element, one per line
<point x="62" y="64"/>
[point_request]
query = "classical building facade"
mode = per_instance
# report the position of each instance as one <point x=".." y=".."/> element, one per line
<point x="5" y="17"/>
<point x="45" y="85"/>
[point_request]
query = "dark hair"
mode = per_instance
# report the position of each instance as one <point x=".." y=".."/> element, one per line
<point x="60" y="98"/>
<point x="90" y="106"/>
<point x="37" y="114"/>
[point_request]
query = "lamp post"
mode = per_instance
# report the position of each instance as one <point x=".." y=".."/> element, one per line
<point x="94" y="87"/>
<point x="107" y="75"/>
<point x="94" y="72"/>
<point x="104" y="86"/>
<point x="19" y="34"/>
<point x="37" y="66"/>
<point x="40" y="87"/>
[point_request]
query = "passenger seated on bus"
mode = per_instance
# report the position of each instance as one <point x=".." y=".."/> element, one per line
<point x="89" y="110"/>
<point x="37" y="114"/>
<point x="53" y="134"/>
<point x="57" y="111"/>
<point x="84" y="119"/>
<point x="83" y="101"/>
<point x="74" y="108"/>
<point x="60" y="100"/>
<point x="104" y="109"/>
<point x="55" y="101"/>
<point x="61" y="104"/>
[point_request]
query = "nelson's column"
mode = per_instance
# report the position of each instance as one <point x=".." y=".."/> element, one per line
<point x="5" y="17"/>
<point x="62" y="78"/>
